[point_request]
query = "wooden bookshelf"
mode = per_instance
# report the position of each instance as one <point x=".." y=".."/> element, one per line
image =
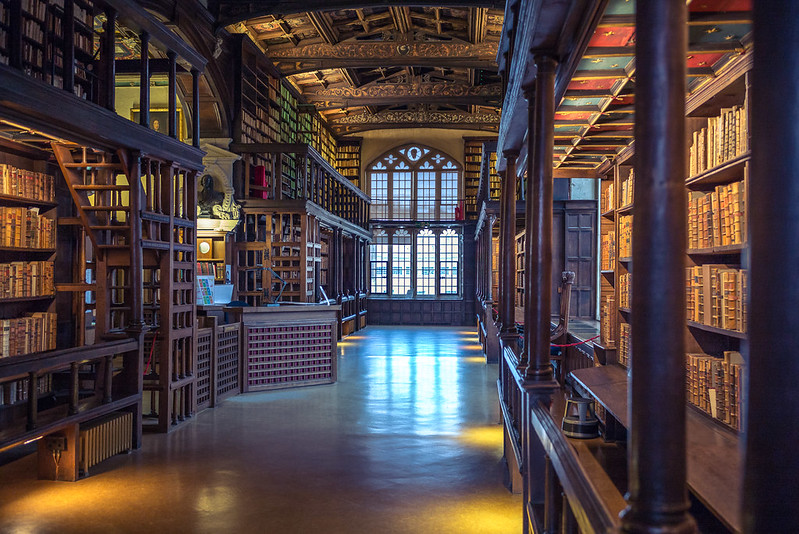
<point x="472" y="163"/>
<point x="348" y="159"/>
<point x="717" y="183"/>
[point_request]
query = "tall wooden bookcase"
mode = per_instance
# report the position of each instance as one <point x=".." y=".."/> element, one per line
<point x="348" y="159"/>
<point x="717" y="184"/>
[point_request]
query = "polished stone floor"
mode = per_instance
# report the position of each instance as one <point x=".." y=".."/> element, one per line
<point x="407" y="441"/>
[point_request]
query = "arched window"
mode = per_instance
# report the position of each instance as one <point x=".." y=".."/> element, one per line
<point x="414" y="183"/>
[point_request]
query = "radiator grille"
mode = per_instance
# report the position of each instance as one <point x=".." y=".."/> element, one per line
<point x="104" y="437"/>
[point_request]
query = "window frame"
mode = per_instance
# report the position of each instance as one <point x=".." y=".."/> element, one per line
<point x="385" y="236"/>
<point x="396" y="164"/>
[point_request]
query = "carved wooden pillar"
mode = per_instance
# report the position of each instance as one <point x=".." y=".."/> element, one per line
<point x="68" y="51"/>
<point x="508" y="245"/>
<point x="109" y="63"/>
<point x="538" y="237"/>
<point x="144" y="81"/>
<point x="658" y="500"/>
<point x="172" y="115"/>
<point x="772" y="468"/>
<point x="195" y="108"/>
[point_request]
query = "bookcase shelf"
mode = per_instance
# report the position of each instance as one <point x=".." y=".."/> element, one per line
<point x="717" y="330"/>
<point x="626" y="209"/>
<point x="722" y="173"/>
<point x="725" y="250"/>
<point x="25" y="299"/>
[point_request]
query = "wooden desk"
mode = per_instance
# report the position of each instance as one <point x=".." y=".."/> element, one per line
<point x="714" y="459"/>
<point x="287" y="345"/>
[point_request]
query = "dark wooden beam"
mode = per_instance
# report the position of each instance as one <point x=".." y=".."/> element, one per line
<point x="400" y="15"/>
<point x="232" y="11"/>
<point x="695" y="19"/>
<point x="658" y="496"/>
<point x="293" y="66"/>
<point x="695" y="48"/>
<point x="478" y="24"/>
<point x="323" y="25"/>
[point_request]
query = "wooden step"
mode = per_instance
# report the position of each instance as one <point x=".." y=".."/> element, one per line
<point x="100" y="187"/>
<point x="113" y="247"/>
<point x="105" y="208"/>
<point x="98" y="165"/>
<point x="110" y="227"/>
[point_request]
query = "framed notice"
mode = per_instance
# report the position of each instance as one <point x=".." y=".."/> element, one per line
<point x="205" y="290"/>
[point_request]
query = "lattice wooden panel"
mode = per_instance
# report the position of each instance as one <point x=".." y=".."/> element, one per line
<point x="204" y="370"/>
<point x="227" y="361"/>
<point x="283" y="355"/>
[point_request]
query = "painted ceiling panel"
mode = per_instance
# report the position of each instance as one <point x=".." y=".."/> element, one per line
<point x="604" y="63"/>
<point x="717" y="33"/>
<point x="604" y="83"/>
<point x="720" y="6"/>
<point x="618" y="36"/>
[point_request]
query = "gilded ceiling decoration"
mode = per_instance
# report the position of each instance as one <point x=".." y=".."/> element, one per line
<point x="368" y="67"/>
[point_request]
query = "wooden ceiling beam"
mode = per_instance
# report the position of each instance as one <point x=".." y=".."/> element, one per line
<point x="478" y="24"/>
<point x="694" y="19"/>
<point x="401" y="17"/>
<point x="696" y="48"/>
<point x="233" y="11"/>
<point x="323" y="25"/>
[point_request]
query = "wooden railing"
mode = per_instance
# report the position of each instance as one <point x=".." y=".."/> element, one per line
<point x="311" y="178"/>
<point x="571" y="493"/>
<point x="46" y="391"/>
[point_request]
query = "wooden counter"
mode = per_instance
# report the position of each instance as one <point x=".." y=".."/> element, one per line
<point x="713" y="456"/>
<point x="288" y="345"/>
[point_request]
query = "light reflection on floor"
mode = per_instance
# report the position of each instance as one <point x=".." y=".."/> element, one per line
<point x="407" y="441"/>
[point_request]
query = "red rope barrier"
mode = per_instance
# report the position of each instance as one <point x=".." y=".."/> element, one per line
<point x="575" y="344"/>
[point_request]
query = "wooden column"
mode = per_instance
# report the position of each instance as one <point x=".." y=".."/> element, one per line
<point x="538" y="237"/>
<point x="771" y="490"/>
<point x="69" y="47"/>
<point x="195" y="111"/>
<point x="109" y="60"/>
<point x="657" y="498"/>
<point x="508" y="245"/>
<point x="144" y="81"/>
<point x="172" y="113"/>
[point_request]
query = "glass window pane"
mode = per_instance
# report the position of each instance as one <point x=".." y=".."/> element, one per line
<point x="426" y="263"/>
<point x="401" y="263"/>
<point x="449" y="253"/>
<point x="378" y="258"/>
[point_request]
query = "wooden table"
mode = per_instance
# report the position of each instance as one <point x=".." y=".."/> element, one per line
<point x="714" y="458"/>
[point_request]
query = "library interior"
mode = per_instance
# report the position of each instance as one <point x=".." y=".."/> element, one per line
<point x="259" y="261"/>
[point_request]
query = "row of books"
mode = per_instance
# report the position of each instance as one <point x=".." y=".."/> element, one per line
<point x="624" y="344"/>
<point x="36" y="8"/>
<point x="625" y="290"/>
<point x="627" y="186"/>
<point x="607" y="248"/>
<point x="25" y="227"/>
<point x="626" y="236"/>
<point x="717" y="218"/>
<point x="206" y="268"/>
<point x="26" y="279"/>
<point x="607" y="199"/>
<point x="716" y="296"/>
<point x="724" y="138"/>
<point x="17" y="391"/>
<point x="607" y="314"/>
<point x="24" y="183"/>
<point x="715" y="385"/>
<point x="23" y="335"/>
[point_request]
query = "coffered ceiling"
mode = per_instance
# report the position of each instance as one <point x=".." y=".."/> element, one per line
<point x="389" y="66"/>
